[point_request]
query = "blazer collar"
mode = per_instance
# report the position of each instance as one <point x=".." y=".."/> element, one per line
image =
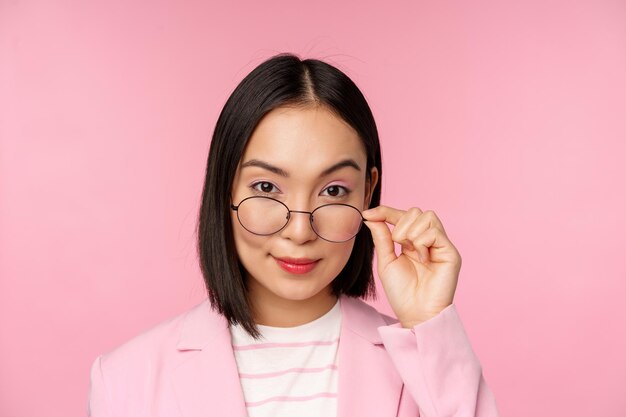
<point x="206" y="381"/>
<point x="202" y="323"/>
<point x="362" y="319"/>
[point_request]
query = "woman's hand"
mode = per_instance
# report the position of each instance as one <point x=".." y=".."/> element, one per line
<point x="421" y="281"/>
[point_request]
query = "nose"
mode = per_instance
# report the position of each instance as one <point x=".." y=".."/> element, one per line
<point x="299" y="228"/>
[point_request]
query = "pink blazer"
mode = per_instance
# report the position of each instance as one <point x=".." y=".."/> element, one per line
<point x="185" y="367"/>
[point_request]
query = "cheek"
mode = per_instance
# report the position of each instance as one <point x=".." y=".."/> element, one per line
<point x="248" y="248"/>
<point x="246" y="243"/>
<point x="339" y="253"/>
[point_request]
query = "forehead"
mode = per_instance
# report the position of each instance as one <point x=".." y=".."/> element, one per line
<point x="304" y="139"/>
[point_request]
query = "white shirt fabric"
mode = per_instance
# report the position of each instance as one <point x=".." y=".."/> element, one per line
<point x="292" y="371"/>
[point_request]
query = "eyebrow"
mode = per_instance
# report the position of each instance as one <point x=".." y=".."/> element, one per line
<point x="262" y="164"/>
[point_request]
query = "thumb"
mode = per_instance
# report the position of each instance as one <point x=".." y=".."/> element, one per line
<point x="383" y="244"/>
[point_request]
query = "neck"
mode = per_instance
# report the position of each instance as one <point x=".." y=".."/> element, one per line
<point x="271" y="310"/>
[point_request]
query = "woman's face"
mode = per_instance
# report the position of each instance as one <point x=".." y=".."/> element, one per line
<point x="302" y="143"/>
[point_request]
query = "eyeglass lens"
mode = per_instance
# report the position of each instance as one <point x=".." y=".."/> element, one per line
<point x="265" y="216"/>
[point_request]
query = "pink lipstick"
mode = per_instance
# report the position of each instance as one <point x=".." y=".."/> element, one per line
<point x="297" y="265"/>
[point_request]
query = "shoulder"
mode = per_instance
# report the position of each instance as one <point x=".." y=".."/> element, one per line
<point x="364" y="319"/>
<point x="365" y="309"/>
<point x="130" y="378"/>
<point x="160" y="342"/>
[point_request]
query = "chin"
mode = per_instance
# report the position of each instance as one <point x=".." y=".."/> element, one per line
<point x="296" y="288"/>
<point x="297" y="292"/>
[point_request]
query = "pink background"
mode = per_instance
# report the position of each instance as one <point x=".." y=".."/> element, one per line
<point x="507" y="120"/>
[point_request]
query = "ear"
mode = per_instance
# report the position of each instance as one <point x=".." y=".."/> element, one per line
<point x="369" y="188"/>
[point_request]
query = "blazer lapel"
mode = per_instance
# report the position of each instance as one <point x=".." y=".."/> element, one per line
<point x="207" y="381"/>
<point x="369" y="385"/>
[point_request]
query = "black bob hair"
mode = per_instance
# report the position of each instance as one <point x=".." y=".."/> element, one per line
<point x="282" y="80"/>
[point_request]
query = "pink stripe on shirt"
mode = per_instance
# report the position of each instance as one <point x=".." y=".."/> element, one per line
<point x="279" y="345"/>
<point x="291" y="399"/>
<point x="286" y="371"/>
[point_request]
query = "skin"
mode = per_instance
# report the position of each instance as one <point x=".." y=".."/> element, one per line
<point x="303" y="142"/>
<point x="421" y="281"/>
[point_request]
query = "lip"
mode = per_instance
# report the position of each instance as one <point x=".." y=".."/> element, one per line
<point x="297" y="265"/>
<point x="297" y="261"/>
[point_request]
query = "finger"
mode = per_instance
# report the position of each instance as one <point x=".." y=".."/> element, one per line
<point x="409" y="223"/>
<point x="418" y="253"/>
<point x="419" y="222"/>
<point x="383" y="213"/>
<point x="434" y="220"/>
<point x="415" y="251"/>
<point x="432" y="244"/>
<point x="383" y="244"/>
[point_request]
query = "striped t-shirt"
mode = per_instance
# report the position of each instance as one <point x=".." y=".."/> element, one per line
<point x="293" y="371"/>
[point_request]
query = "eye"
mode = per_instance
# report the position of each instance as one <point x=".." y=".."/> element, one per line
<point x="266" y="187"/>
<point x="335" y="190"/>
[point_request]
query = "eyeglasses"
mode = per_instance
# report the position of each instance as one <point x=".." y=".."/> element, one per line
<point x="264" y="216"/>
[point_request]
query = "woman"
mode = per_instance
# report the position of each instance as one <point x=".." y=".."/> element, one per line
<point x="294" y="171"/>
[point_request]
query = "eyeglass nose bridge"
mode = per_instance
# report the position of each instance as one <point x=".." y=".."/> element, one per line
<point x="310" y="213"/>
<point x="300" y="211"/>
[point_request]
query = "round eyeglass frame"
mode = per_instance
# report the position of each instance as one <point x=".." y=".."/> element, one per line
<point x="310" y="213"/>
